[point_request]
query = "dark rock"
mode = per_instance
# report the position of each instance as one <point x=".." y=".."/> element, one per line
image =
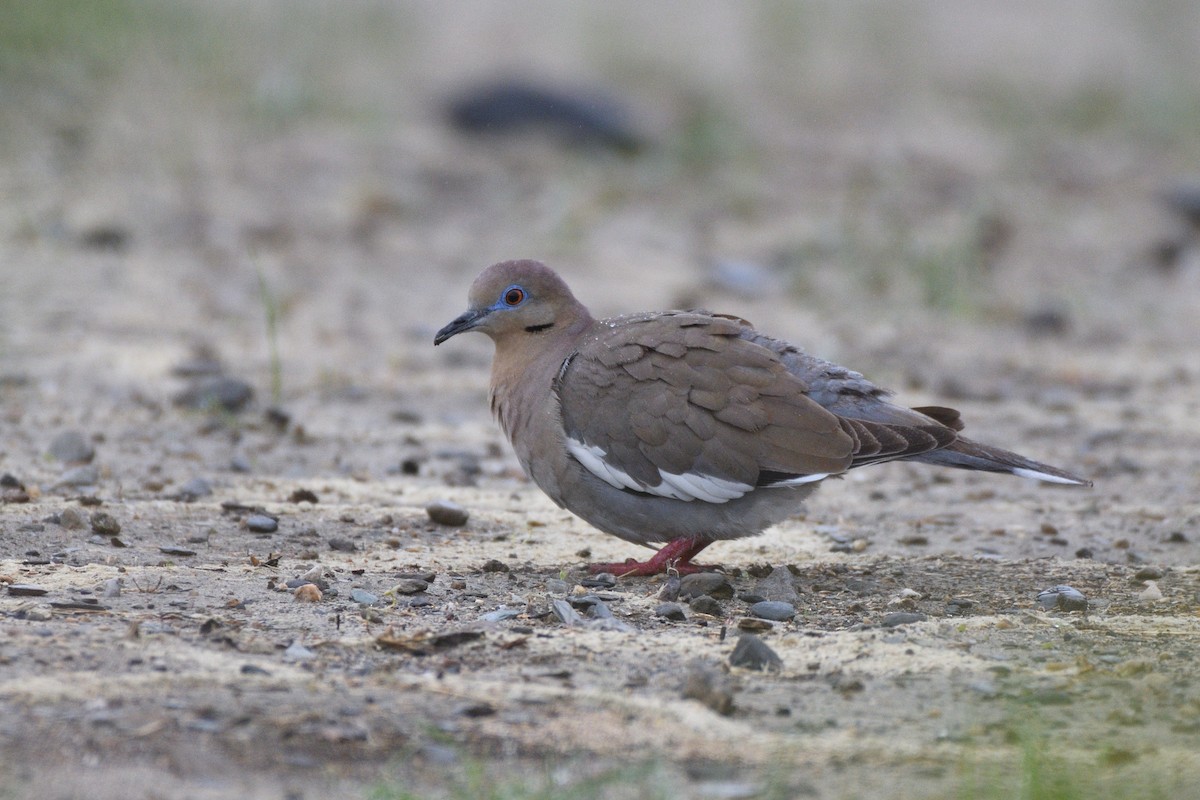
<point x="898" y="618"/>
<point x="445" y="512"/>
<point x="752" y="652"/>
<point x="409" y="586"/>
<point x="1048" y="321"/>
<point x="670" y="589"/>
<point x="193" y="490"/>
<point x="755" y="625"/>
<point x="671" y="611"/>
<point x="493" y="565"/>
<point x="72" y="519"/>
<point x="780" y="586"/>
<point x="105" y="524"/>
<point x="1148" y="574"/>
<point x="601" y="580"/>
<point x="342" y="545"/>
<point x="706" y="605"/>
<point x="1062" y="598"/>
<point x="111" y="238"/>
<point x="221" y="393"/>
<point x="713" y="584"/>
<point x="72" y="447"/>
<point x="26" y="590"/>
<point x="303" y="496"/>
<point x="567" y="615"/>
<point x="176" y="551"/>
<point x="1184" y="200"/>
<point x="773" y="610"/>
<point x="515" y="107"/>
<point x="477" y="709"/>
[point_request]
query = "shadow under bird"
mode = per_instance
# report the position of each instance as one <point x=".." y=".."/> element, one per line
<point x="683" y="428"/>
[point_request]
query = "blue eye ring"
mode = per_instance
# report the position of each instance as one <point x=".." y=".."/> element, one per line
<point x="513" y="296"/>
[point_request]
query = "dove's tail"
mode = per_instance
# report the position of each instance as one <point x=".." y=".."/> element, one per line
<point x="966" y="454"/>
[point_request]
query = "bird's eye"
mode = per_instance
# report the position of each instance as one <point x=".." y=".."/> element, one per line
<point x="514" y="296"/>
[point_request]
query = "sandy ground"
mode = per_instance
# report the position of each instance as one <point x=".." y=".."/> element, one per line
<point x="961" y="202"/>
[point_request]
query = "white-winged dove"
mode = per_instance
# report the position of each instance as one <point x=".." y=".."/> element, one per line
<point x="687" y="427"/>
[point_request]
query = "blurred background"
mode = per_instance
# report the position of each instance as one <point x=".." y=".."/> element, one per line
<point x="831" y="169"/>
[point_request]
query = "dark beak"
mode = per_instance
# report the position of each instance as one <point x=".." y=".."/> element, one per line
<point x="465" y="322"/>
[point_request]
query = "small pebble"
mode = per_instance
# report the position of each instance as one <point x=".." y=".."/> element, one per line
<point x="1063" y="598"/>
<point x="193" y="490"/>
<point x="72" y="447"/>
<point x="176" y="551"/>
<point x="1151" y="593"/>
<point x="713" y="584"/>
<point x="567" y="615"/>
<point x="216" y="394"/>
<point x="409" y="586"/>
<point x="105" y="524"/>
<point x="308" y="593"/>
<point x="557" y="586"/>
<point x="779" y="585"/>
<point x="670" y="589"/>
<point x="706" y="605"/>
<point x="85" y="475"/>
<point x="298" y="652"/>
<point x="775" y="610"/>
<point x="112" y="588"/>
<point x="492" y="565"/>
<point x="363" y="596"/>
<point x="898" y="618"/>
<point x="752" y="652"/>
<point x="501" y="614"/>
<point x="601" y="580"/>
<point x="342" y="545"/>
<point x="239" y="463"/>
<point x="72" y="519"/>
<point x="303" y="496"/>
<point x="754" y="625"/>
<point x="1148" y="574"/>
<point x="671" y="611"/>
<point x="261" y="523"/>
<point x="446" y="512"/>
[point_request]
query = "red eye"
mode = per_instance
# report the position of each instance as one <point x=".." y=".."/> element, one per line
<point x="514" y="296"/>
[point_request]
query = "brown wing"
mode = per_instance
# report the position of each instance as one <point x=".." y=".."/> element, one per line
<point x="687" y="394"/>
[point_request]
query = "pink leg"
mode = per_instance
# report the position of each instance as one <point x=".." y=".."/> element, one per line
<point x="676" y="554"/>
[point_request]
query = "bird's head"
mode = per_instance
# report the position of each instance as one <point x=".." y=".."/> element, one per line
<point x="516" y="299"/>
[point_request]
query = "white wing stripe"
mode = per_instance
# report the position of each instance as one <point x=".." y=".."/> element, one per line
<point x="1042" y="476"/>
<point x="816" y="476"/>
<point x="687" y="487"/>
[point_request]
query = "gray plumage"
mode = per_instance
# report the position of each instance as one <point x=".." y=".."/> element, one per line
<point x="687" y="427"/>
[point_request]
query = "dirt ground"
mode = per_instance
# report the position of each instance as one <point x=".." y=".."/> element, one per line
<point x="962" y="201"/>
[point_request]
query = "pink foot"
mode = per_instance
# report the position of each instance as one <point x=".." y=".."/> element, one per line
<point x="675" y="555"/>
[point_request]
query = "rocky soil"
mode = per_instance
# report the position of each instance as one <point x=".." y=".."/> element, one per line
<point x="259" y="539"/>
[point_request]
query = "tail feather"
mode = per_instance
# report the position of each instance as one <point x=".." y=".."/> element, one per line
<point x="966" y="454"/>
